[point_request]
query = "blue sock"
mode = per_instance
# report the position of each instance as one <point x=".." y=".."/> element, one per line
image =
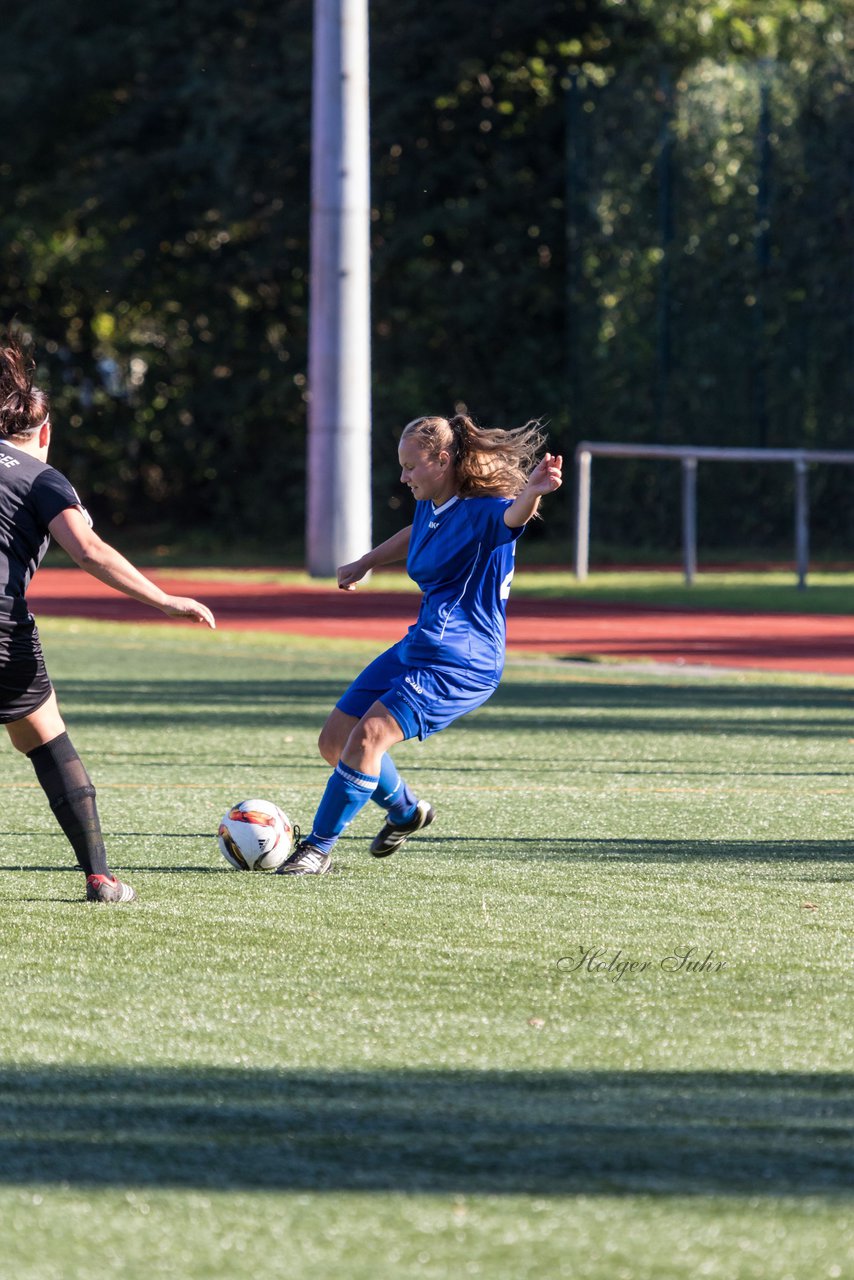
<point x="393" y="794"/>
<point x="347" y="792"/>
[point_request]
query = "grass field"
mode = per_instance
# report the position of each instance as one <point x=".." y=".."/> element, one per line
<point x="438" y="1065"/>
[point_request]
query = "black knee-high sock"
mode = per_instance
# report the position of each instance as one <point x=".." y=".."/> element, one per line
<point x="69" y="789"/>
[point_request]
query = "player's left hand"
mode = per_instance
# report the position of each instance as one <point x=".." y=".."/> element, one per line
<point x="184" y="607"/>
<point x="547" y="474"/>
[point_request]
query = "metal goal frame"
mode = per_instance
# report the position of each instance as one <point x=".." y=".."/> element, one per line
<point x="690" y="456"/>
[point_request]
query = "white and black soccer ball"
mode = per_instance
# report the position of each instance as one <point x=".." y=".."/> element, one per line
<point x="255" y="835"/>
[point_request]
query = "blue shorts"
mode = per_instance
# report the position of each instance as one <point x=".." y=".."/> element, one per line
<point x="422" y="700"/>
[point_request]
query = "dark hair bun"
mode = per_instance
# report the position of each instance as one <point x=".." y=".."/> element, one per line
<point x="23" y="408"/>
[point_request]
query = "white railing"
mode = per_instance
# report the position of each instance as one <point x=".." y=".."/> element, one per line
<point x="690" y="456"/>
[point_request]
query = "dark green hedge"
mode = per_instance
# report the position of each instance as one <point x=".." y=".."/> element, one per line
<point x="631" y="220"/>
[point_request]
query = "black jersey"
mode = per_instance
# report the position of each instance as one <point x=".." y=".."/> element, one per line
<point x="32" y="494"/>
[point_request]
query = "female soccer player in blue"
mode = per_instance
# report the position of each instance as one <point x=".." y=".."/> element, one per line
<point x="37" y="502"/>
<point x="475" y="491"/>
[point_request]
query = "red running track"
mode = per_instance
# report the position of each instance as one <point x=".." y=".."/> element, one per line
<point x="790" y="642"/>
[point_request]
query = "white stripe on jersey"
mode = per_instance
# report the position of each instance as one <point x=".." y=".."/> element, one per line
<point x="462" y="593"/>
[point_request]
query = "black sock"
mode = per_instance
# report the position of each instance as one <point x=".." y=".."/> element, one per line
<point x="69" y="789"/>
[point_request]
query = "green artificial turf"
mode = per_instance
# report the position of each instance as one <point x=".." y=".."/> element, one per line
<point x="596" y="1022"/>
<point x="767" y="591"/>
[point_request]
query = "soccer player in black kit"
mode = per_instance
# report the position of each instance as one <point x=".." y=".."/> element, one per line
<point x="37" y="502"/>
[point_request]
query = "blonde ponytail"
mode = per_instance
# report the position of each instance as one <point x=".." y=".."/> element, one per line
<point x="488" y="463"/>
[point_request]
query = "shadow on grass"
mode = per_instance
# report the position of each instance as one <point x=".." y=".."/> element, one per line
<point x="174" y="704"/>
<point x="547" y="849"/>
<point x="772" y="711"/>
<point x="685" y="1133"/>
<point x="352" y="850"/>
<point x="517" y="705"/>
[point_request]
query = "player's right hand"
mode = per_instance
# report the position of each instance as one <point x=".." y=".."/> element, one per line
<point x="350" y="574"/>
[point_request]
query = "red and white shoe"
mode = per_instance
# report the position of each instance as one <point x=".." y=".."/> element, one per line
<point x="108" y="889"/>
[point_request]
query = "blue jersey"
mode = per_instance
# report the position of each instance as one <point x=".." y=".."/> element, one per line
<point x="462" y="556"/>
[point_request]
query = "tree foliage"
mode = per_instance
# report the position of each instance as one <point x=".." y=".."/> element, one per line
<point x="632" y="219"/>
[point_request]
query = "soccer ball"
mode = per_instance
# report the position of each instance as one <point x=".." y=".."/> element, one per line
<point x="255" y="836"/>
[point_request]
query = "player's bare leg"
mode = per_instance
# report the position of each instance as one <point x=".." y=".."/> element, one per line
<point x="392" y="794"/>
<point x="334" y="735"/>
<point x="370" y="738"/>
<point x="352" y="783"/>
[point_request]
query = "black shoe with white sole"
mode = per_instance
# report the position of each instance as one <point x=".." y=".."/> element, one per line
<point x="305" y="860"/>
<point x="392" y="837"/>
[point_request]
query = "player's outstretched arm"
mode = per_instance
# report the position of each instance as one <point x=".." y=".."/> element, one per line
<point x="545" y="478"/>
<point x="388" y="552"/>
<point x="108" y="565"/>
